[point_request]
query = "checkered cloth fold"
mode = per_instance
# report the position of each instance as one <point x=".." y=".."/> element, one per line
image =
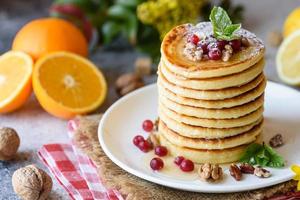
<point x="75" y="171"/>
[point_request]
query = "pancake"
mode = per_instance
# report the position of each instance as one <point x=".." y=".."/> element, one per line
<point x="201" y="143"/>
<point x="216" y="104"/>
<point x="172" y="53"/>
<point x="203" y="132"/>
<point x="209" y="110"/>
<point x="212" y="123"/>
<point x="210" y="94"/>
<point x="204" y="155"/>
<point x="226" y="113"/>
<point x="216" y="82"/>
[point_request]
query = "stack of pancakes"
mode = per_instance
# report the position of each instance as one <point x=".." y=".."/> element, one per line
<point x="210" y="111"/>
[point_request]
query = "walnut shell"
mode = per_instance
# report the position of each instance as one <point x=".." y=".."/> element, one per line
<point x="127" y="83"/>
<point x="31" y="183"/>
<point x="9" y="143"/>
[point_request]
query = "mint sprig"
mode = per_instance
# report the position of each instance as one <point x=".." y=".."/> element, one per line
<point x="223" y="28"/>
<point x="263" y="155"/>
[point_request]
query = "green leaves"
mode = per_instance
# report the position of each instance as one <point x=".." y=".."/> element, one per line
<point x="222" y="26"/>
<point x="263" y="155"/>
<point x="121" y="21"/>
<point x="275" y="159"/>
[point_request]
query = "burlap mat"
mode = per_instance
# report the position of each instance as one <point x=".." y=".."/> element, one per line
<point x="134" y="188"/>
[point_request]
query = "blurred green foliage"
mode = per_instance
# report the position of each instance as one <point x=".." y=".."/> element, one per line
<point x="143" y="23"/>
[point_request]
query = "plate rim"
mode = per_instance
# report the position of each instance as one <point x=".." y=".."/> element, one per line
<point x="154" y="179"/>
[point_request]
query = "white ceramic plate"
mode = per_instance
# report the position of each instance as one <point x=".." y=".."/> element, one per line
<point x="122" y="121"/>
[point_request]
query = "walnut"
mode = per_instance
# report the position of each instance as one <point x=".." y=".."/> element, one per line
<point x="276" y="141"/>
<point x="143" y="66"/>
<point x="275" y="38"/>
<point x="209" y="172"/>
<point x="235" y="172"/>
<point x="227" y="53"/>
<point x="9" y="143"/>
<point x="246" y="168"/>
<point x="261" y="172"/>
<point x="217" y="172"/>
<point x="192" y="52"/>
<point x="31" y="183"/>
<point x="126" y="83"/>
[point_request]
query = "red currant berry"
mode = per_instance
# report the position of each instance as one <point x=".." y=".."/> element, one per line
<point x="204" y="46"/>
<point x="148" y="125"/>
<point x="235" y="44"/>
<point x="144" y="146"/>
<point x="178" y="160"/>
<point x="156" y="164"/>
<point x="215" y="54"/>
<point x="161" y="151"/>
<point x="221" y="44"/>
<point x="194" y="39"/>
<point x="137" y="139"/>
<point x="187" y="165"/>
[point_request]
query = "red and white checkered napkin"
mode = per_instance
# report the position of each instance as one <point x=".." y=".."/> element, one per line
<point x="75" y="171"/>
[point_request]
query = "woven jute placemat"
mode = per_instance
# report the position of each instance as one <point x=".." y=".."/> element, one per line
<point x="134" y="188"/>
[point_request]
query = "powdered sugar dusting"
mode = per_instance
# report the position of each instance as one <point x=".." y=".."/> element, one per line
<point x="206" y="29"/>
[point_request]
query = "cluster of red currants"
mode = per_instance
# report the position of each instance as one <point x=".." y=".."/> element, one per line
<point x="161" y="151"/>
<point x="140" y="142"/>
<point x="212" y="47"/>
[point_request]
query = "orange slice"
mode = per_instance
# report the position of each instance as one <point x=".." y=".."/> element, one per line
<point x="15" y="80"/>
<point x="67" y="85"/>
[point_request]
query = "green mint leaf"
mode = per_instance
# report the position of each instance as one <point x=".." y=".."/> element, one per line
<point x="231" y="29"/>
<point x="263" y="155"/>
<point x="251" y="151"/>
<point x="222" y="26"/>
<point x="275" y="159"/>
<point x="227" y="38"/>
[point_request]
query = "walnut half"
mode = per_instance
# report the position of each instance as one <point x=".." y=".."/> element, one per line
<point x="261" y="172"/>
<point x="209" y="172"/>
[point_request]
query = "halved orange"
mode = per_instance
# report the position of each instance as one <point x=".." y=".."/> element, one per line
<point x="15" y="80"/>
<point x="67" y="84"/>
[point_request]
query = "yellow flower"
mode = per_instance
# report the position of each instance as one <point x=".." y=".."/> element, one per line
<point x="165" y="14"/>
<point x="296" y="170"/>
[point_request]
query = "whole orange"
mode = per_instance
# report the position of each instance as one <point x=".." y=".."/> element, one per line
<point x="42" y="36"/>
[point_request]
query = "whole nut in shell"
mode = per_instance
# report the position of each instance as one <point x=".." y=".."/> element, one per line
<point x="9" y="143"/>
<point x="275" y="38"/>
<point x="127" y="83"/>
<point x="31" y="183"/>
<point x="143" y="66"/>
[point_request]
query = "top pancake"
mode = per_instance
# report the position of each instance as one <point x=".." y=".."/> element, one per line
<point x="173" y="57"/>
